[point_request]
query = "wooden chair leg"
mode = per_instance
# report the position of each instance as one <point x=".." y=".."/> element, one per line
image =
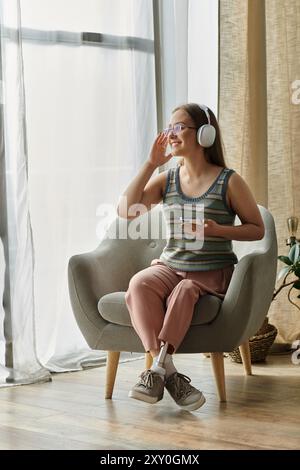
<point x="111" y="370"/>
<point x="217" y="360"/>
<point x="148" y="360"/>
<point x="246" y="357"/>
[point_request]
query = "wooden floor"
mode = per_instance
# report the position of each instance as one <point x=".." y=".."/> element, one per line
<point x="262" y="412"/>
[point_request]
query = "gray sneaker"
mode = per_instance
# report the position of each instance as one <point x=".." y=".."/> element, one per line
<point x="185" y="395"/>
<point x="150" y="387"/>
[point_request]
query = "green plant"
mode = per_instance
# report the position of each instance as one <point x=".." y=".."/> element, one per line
<point x="293" y="267"/>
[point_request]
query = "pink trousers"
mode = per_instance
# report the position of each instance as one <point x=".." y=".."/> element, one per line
<point x="161" y="300"/>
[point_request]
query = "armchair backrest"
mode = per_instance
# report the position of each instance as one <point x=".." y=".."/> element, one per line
<point x="148" y="245"/>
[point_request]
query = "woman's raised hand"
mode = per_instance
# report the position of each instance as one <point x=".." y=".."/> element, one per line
<point x="157" y="155"/>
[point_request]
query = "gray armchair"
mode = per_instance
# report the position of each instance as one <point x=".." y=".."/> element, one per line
<point x="99" y="279"/>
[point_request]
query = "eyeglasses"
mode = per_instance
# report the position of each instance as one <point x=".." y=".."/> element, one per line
<point x="176" y="129"/>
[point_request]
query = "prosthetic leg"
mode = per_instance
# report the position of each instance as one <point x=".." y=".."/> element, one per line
<point x="158" y="365"/>
<point x="162" y="355"/>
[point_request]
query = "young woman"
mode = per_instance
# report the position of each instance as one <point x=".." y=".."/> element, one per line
<point x="201" y="197"/>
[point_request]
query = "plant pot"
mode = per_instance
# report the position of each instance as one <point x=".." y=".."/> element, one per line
<point x="259" y="344"/>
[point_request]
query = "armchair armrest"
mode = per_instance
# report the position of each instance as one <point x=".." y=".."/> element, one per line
<point x="249" y="295"/>
<point x="91" y="275"/>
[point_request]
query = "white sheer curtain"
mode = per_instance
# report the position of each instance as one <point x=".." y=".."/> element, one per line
<point x="95" y="97"/>
<point x="203" y="52"/>
<point x="187" y="56"/>
<point x="18" y="360"/>
<point x="91" y="117"/>
<point x="188" y="51"/>
<point x="190" y="29"/>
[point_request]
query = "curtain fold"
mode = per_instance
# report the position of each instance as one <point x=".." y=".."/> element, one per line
<point x="259" y="59"/>
<point x="19" y="362"/>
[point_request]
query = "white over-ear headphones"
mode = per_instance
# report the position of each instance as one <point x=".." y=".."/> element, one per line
<point x="206" y="134"/>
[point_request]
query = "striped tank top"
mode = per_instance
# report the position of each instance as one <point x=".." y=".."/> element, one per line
<point x="184" y="251"/>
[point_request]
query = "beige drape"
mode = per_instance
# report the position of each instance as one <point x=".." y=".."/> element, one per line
<point x="259" y="59"/>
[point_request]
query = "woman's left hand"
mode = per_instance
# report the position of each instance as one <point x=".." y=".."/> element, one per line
<point x="206" y="228"/>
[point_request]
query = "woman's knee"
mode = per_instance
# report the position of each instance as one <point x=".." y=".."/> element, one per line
<point x="138" y="282"/>
<point x="186" y="284"/>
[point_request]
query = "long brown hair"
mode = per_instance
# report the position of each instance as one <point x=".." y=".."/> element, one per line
<point x="215" y="153"/>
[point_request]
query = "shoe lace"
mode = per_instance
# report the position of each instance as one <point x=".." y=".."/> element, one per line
<point x="146" y="379"/>
<point x="182" y="387"/>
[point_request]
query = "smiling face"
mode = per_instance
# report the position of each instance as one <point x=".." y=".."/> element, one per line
<point x="185" y="142"/>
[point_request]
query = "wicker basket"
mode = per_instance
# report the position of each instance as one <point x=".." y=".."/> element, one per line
<point x="259" y="344"/>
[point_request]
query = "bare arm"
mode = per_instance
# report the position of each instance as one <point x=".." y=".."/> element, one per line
<point x="141" y="193"/>
<point x="243" y="203"/>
